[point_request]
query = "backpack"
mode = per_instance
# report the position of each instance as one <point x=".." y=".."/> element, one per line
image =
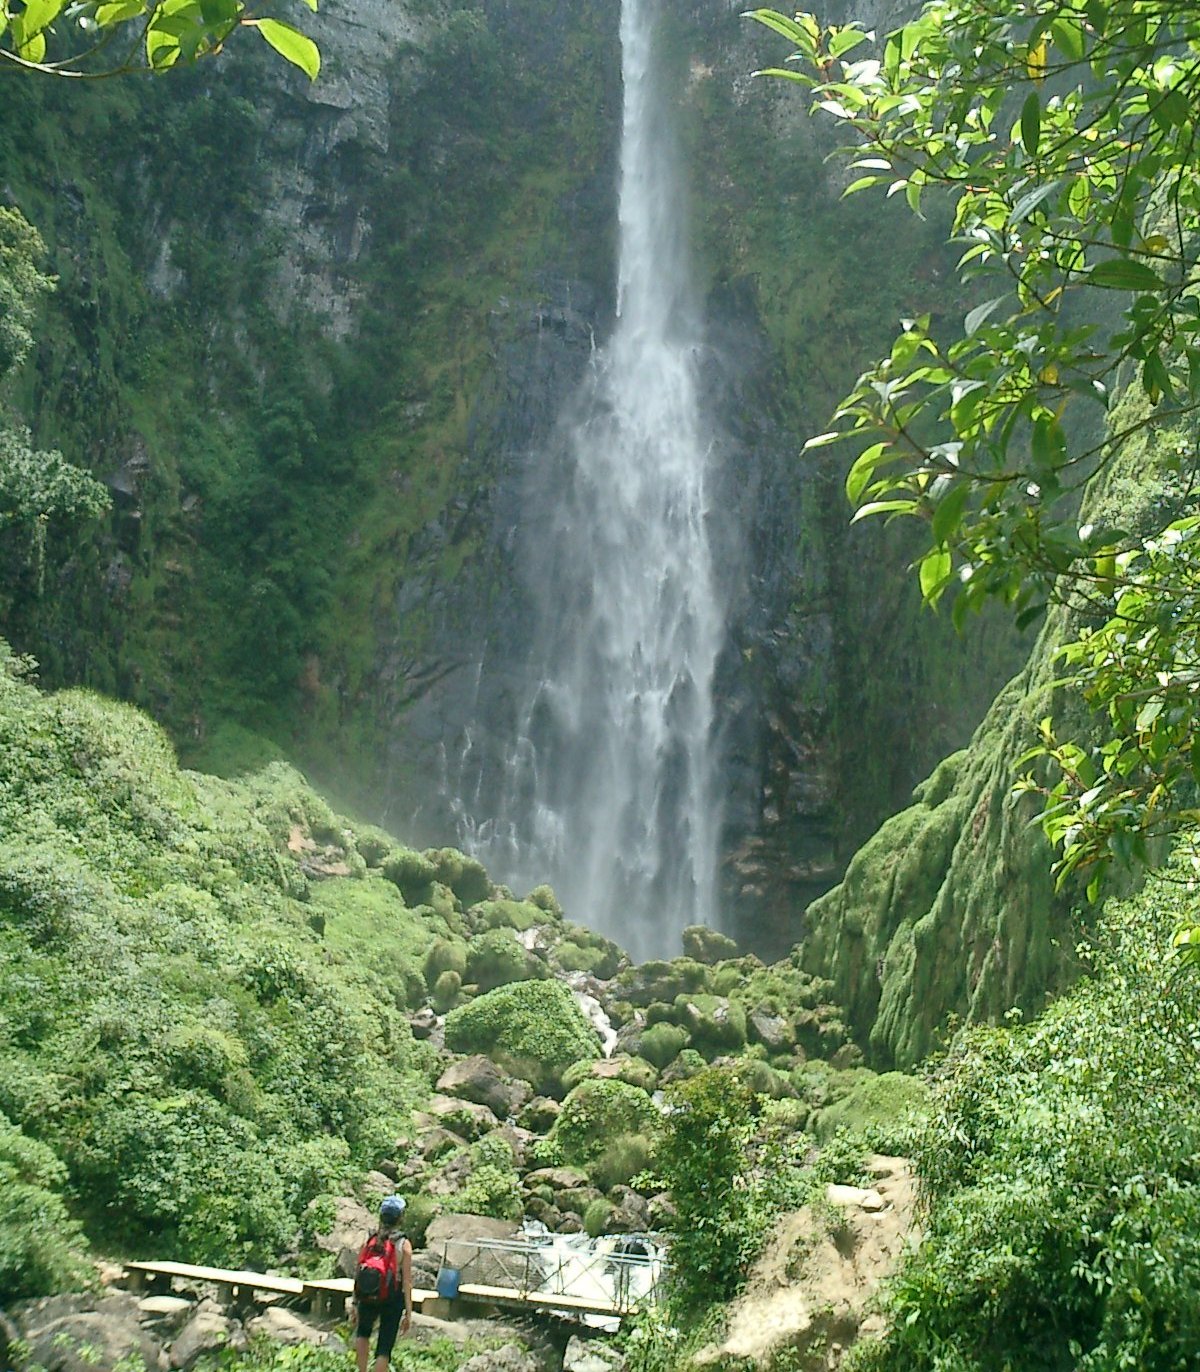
<point x="377" y="1278"/>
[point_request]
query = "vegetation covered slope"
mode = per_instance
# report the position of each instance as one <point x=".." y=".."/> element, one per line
<point x="176" y="1038"/>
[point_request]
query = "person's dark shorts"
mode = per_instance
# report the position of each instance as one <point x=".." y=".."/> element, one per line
<point x="389" y="1316"/>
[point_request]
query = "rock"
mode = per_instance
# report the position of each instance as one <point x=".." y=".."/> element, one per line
<point x="591" y="1355"/>
<point x="557" y="1178"/>
<point x="452" y="1176"/>
<point x="571" y="1224"/>
<point x="813" y="1292"/>
<point x="424" y="1022"/>
<point x="773" y="1031"/>
<point x="436" y="1141"/>
<point x="854" y="1197"/>
<point x="79" y="1333"/>
<point x="165" y="1313"/>
<point x="538" y="1209"/>
<point x="379" y="1184"/>
<point x="519" y="1140"/>
<point x="539" y="1115"/>
<point x="286" y="1327"/>
<point x="706" y="945"/>
<point x="352" y="1222"/>
<point x="510" y="1358"/>
<point x="630" y="1214"/>
<point x="661" y="1210"/>
<point x="209" y="1330"/>
<point x="479" y="1080"/>
<point x="465" y="1118"/>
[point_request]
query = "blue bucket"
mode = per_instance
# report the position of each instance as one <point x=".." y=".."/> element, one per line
<point x="447" y="1283"/>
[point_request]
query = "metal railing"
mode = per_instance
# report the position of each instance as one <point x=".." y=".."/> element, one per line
<point x="609" y="1274"/>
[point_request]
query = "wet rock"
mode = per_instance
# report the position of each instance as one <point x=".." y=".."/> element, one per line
<point x="424" y="1022"/>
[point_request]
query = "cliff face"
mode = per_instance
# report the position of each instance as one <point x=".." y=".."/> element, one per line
<point x="311" y="335"/>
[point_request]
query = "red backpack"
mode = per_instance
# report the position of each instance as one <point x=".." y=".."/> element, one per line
<point x="377" y="1278"/>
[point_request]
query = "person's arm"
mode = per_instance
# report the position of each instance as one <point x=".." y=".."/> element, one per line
<point x="406" y="1284"/>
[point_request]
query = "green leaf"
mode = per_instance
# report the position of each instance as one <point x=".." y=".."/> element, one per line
<point x="1031" y="200"/>
<point x="862" y="470"/>
<point x="37" y="15"/>
<point x="949" y="511"/>
<point x="1031" y="123"/>
<point x="980" y="313"/>
<point x="936" y="567"/>
<point x="1068" y="37"/>
<point x="883" y="507"/>
<point x="290" y="43"/>
<point x="1125" y="274"/>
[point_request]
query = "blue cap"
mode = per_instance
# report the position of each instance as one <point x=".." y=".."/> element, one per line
<point x="391" y="1208"/>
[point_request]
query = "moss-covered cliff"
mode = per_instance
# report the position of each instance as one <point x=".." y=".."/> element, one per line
<point x="949" y="911"/>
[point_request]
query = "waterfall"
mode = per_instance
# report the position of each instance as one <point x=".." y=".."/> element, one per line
<point x="610" y="788"/>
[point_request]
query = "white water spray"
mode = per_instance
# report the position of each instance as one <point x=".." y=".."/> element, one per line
<point x="610" y="788"/>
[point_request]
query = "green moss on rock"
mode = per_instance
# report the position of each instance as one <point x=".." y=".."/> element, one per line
<point x="533" y="1029"/>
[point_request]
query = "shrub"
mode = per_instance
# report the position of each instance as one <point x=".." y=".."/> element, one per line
<point x="534" y="1029"/>
<point x="662" y="1043"/>
<point x="412" y="872"/>
<point x="506" y="914"/>
<point x="495" y="958"/>
<point x="622" y="1159"/>
<point x="445" y="955"/>
<point x="41" y="1246"/>
<point x="886" y="1108"/>
<point x="594" y="1112"/>
<point x="702" y="1159"/>
<point x="446" y="991"/>
<point x="465" y="876"/>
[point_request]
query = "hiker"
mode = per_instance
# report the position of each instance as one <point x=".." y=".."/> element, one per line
<point x="383" y="1286"/>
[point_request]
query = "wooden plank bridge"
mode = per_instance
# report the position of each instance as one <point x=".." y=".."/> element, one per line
<point x="520" y="1278"/>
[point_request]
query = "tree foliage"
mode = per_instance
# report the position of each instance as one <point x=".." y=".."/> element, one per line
<point x="1064" y="134"/>
<point x="109" y="37"/>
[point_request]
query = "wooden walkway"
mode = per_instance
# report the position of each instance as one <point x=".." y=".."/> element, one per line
<point x="328" y="1297"/>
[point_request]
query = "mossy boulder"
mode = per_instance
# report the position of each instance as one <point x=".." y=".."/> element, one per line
<point x="661" y="1044"/>
<point x="446" y="991"/>
<point x="545" y="899"/>
<point x="497" y="957"/>
<point x="465" y="876"/>
<point x="621" y="1159"/>
<point x="686" y="1065"/>
<point x="534" y="1029"/>
<point x="506" y="914"/>
<point x="445" y="955"/>
<point x="595" y="1217"/>
<point x="597" y="1111"/>
<point x="659" y="981"/>
<point x="411" y="871"/>
<point x="714" y="1024"/>
<point x="584" y="950"/>
<point x="706" y="945"/>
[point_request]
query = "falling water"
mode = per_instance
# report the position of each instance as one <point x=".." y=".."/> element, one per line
<point x="610" y="791"/>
